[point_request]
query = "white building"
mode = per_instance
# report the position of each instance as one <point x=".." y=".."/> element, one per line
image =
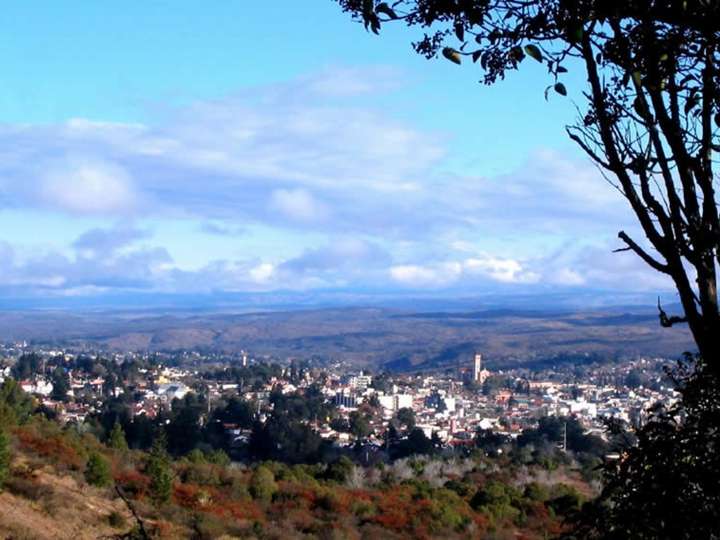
<point x="39" y="387"/>
<point x="172" y="390"/>
<point x="395" y="402"/>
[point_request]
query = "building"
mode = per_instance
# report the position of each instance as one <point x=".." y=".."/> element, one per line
<point x="477" y="367"/>
<point x="474" y="373"/>
<point x="359" y="382"/>
<point x="174" y="390"/>
<point x="396" y="402"/>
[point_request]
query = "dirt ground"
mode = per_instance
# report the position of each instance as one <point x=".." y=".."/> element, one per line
<point x="63" y="509"/>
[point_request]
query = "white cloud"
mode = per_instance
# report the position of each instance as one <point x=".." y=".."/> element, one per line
<point x="502" y="270"/>
<point x="302" y="156"/>
<point x="297" y="205"/>
<point x="482" y="268"/>
<point x="262" y="272"/>
<point x="87" y="186"/>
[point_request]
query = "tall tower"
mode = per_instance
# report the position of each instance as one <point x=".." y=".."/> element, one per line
<point x="477" y="367"/>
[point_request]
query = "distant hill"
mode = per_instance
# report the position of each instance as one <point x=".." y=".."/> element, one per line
<point x="368" y="337"/>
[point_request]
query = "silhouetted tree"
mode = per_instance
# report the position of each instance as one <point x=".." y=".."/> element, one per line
<point x="668" y="485"/>
<point x="651" y="110"/>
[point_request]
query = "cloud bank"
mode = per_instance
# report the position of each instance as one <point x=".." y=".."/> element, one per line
<point x="307" y="157"/>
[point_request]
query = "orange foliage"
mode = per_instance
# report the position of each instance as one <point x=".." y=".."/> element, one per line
<point x="133" y="483"/>
<point x="53" y="447"/>
<point x="186" y="495"/>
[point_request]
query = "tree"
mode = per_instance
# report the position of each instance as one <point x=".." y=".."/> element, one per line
<point x="26" y="366"/>
<point x="97" y="471"/>
<point x="668" y="485"/>
<point x="649" y="119"/>
<point x="159" y="470"/>
<point x="61" y="384"/>
<point x="262" y="484"/>
<point x="340" y="470"/>
<point x="289" y="441"/>
<point x="183" y="431"/>
<point x="634" y="379"/>
<point x="359" y="425"/>
<point x="117" y="440"/>
<point x="5" y="456"/>
<point x="406" y="417"/>
<point x="15" y="404"/>
<point x="415" y="443"/>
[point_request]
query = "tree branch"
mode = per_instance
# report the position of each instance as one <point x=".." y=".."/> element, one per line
<point x="667" y="322"/>
<point x="644" y="255"/>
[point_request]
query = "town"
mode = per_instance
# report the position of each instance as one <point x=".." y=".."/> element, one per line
<point x="232" y="395"/>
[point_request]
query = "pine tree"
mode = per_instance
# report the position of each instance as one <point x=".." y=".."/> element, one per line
<point x="97" y="471"/>
<point x="117" y="440"/>
<point x="160" y="471"/>
<point x="61" y="384"/>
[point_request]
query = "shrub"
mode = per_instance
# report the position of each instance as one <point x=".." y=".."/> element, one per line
<point x="133" y="483"/>
<point x="24" y="486"/>
<point x="116" y="520"/>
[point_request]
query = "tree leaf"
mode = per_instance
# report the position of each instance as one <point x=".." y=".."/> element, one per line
<point x="460" y="31"/>
<point x="560" y="89"/>
<point x="561" y="69"/>
<point x="516" y="53"/>
<point x="534" y="52"/>
<point x="452" y="55"/>
<point x="384" y="9"/>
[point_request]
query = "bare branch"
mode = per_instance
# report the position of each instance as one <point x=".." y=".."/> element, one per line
<point x="644" y="255"/>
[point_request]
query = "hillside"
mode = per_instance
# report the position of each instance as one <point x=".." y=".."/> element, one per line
<point x="46" y="495"/>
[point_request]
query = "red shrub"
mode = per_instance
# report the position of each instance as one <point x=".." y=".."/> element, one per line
<point x="53" y="447"/>
<point x="186" y="495"/>
<point x="133" y="483"/>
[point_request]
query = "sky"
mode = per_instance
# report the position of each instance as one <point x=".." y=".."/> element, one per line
<point x="171" y="147"/>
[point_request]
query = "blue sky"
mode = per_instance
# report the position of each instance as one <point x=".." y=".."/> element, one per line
<point x="170" y="147"/>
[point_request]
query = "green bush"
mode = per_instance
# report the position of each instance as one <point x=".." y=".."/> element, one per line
<point x="116" y="520"/>
<point x="97" y="471"/>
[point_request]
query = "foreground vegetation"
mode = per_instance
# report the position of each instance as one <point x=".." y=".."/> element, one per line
<point x="203" y="495"/>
